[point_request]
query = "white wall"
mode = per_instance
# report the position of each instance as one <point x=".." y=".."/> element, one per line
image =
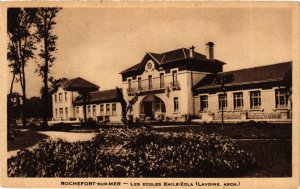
<point x="66" y="102"/>
<point x="113" y="118"/>
<point x="184" y="94"/>
<point x="268" y="104"/>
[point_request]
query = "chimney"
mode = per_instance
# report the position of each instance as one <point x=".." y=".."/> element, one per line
<point x="210" y="48"/>
<point x="192" y="51"/>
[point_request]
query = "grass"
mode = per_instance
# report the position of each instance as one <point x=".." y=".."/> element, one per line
<point x="274" y="157"/>
<point x="25" y="140"/>
<point x="237" y="132"/>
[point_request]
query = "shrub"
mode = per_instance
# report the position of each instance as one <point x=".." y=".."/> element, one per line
<point x="134" y="153"/>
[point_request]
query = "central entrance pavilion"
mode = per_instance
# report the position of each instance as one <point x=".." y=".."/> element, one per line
<point x="152" y="107"/>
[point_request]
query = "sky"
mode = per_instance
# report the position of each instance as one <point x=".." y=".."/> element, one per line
<point x="97" y="44"/>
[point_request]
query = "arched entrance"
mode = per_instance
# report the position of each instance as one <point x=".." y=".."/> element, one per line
<point x="152" y="107"/>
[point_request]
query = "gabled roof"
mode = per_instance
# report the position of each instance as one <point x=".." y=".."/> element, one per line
<point x="100" y="96"/>
<point x="170" y="56"/>
<point x="79" y="84"/>
<point x="268" y="73"/>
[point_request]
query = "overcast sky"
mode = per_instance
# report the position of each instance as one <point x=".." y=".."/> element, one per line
<point x="97" y="44"/>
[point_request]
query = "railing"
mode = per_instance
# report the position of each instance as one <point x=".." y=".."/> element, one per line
<point x="174" y="85"/>
<point x="154" y="87"/>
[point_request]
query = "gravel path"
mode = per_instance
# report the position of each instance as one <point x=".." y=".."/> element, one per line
<point x="54" y="135"/>
<point x="69" y="136"/>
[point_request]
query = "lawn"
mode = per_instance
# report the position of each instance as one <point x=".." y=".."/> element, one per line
<point x="25" y="139"/>
<point x="275" y="131"/>
<point x="274" y="157"/>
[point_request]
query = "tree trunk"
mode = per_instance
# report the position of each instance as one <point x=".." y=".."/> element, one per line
<point x="24" y="121"/>
<point x="84" y="107"/>
<point x="9" y="101"/>
<point x="223" y="103"/>
<point x="45" y="80"/>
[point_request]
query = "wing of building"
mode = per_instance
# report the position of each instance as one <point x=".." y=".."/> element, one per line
<point x="67" y="102"/>
<point x="182" y="84"/>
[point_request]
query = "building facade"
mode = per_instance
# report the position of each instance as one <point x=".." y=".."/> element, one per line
<point x="101" y="106"/>
<point x="62" y="104"/>
<point x="179" y="84"/>
<point x="252" y="94"/>
<point x="183" y="84"/>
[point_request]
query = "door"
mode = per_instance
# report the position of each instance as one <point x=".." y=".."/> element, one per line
<point x="148" y="109"/>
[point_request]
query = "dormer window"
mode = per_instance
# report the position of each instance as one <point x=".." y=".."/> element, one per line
<point x="162" y="82"/>
<point x="150" y="81"/>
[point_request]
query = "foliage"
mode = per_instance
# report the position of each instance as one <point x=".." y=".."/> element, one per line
<point x="45" y="21"/>
<point x="21" y="46"/>
<point x="134" y="153"/>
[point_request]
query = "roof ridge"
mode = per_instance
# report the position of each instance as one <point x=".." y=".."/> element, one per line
<point x="184" y="52"/>
<point x="153" y="57"/>
<point x="257" y="67"/>
<point x="72" y="81"/>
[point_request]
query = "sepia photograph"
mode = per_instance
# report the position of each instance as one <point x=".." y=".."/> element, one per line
<point x="168" y="93"/>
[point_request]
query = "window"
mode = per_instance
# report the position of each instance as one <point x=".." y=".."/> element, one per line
<point x="60" y="97"/>
<point x="66" y="96"/>
<point x="77" y="111"/>
<point x="238" y="101"/>
<point x="61" y="112"/>
<point x="114" y="109"/>
<point x="56" y="114"/>
<point x="107" y="109"/>
<point x="94" y="110"/>
<point x="150" y="82"/>
<point x="66" y="112"/>
<point x="129" y="85"/>
<point x="89" y="111"/>
<point x="139" y="84"/>
<point x="176" y="106"/>
<point x="55" y="97"/>
<point x="101" y="109"/>
<point x="203" y="103"/>
<point x="281" y="98"/>
<point x="174" y="78"/>
<point x="255" y="100"/>
<point x="222" y="101"/>
<point x="160" y="106"/>
<point x="162" y="83"/>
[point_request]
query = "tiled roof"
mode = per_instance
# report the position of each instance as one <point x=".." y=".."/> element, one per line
<point x="100" y="96"/>
<point x="79" y="83"/>
<point x="266" y="73"/>
<point x="170" y="56"/>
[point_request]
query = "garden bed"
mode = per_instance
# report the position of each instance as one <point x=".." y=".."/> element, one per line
<point x="135" y="153"/>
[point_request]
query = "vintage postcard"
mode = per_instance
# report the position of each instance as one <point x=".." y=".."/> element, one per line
<point x="150" y="94"/>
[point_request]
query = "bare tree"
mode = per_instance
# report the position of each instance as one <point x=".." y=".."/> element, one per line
<point x="126" y="107"/>
<point x="222" y="80"/>
<point x="45" y="22"/>
<point x="21" y="46"/>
